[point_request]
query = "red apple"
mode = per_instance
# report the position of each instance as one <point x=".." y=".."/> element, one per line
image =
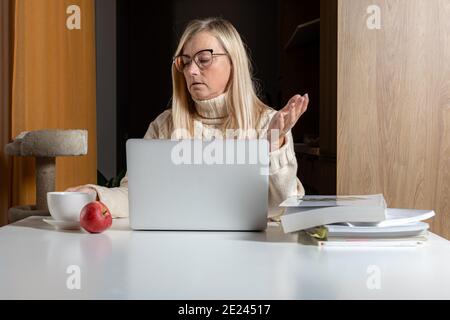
<point x="95" y="217"/>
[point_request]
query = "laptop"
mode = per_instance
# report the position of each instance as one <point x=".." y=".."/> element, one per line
<point x="220" y="184"/>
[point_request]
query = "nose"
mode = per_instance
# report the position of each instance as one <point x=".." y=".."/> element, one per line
<point x="192" y="69"/>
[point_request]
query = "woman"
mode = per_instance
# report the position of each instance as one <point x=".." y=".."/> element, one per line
<point x="212" y="93"/>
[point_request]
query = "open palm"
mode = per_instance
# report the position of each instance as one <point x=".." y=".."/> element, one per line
<point x="285" y="119"/>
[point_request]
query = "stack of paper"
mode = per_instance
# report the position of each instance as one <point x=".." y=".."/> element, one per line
<point x="355" y="221"/>
<point x="311" y="211"/>
<point x="411" y="234"/>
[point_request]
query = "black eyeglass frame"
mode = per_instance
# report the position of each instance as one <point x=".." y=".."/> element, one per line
<point x="193" y="58"/>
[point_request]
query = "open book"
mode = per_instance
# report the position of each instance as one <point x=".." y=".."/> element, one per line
<point x="311" y="211"/>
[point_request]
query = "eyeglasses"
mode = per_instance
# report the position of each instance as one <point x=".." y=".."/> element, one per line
<point x="203" y="59"/>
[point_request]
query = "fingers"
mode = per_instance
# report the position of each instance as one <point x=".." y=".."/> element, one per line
<point x="72" y="189"/>
<point x="88" y="190"/>
<point x="298" y="102"/>
<point x="294" y="109"/>
<point x="81" y="189"/>
<point x="287" y="117"/>
<point x="293" y="100"/>
<point x="298" y="109"/>
<point x="301" y="106"/>
<point x="305" y="103"/>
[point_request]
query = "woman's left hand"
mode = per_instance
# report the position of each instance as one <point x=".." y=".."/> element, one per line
<point x="285" y="119"/>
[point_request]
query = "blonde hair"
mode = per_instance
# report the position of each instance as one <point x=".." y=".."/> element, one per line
<point x="244" y="107"/>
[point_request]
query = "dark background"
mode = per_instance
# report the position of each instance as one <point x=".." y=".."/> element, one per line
<point x="134" y="86"/>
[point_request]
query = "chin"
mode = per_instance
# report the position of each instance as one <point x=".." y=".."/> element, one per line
<point x="197" y="96"/>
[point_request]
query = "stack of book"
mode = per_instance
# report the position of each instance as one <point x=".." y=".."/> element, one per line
<point x="354" y="221"/>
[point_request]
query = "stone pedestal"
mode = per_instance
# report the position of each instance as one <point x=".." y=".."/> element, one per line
<point x="44" y="146"/>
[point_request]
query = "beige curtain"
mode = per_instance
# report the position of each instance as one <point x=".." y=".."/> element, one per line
<point x="6" y="11"/>
<point x="53" y="86"/>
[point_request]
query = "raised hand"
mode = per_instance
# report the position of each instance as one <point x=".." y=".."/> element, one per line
<point x="285" y="119"/>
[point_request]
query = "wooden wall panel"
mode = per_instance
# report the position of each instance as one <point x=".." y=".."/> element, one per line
<point x="393" y="133"/>
<point x="6" y="12"/>
<point x="53" y="86"/>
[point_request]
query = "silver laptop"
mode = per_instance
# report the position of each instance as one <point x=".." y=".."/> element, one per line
<point x="198" y="185"/>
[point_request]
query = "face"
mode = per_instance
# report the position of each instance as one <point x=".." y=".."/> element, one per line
<point x="210" y="82"/>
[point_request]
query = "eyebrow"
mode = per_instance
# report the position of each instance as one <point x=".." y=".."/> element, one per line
<point x="186" y="55"/>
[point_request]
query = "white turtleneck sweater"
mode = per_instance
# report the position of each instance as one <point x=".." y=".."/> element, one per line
<point x="211" y="114"/>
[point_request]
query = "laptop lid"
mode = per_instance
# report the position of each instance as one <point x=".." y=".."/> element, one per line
<point x="198" y="185"/>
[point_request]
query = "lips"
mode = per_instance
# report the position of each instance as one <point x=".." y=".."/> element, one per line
<point x="194" y="83"/>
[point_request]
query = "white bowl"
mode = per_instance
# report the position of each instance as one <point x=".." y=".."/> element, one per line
<point x="66" y="206"/>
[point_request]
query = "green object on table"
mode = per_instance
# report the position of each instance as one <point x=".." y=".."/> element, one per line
<point x="320" y="233"/>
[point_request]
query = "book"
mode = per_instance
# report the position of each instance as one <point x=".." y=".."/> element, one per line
<point x="407" y="230"/>
<point x="397" y="217"/>
<point x="309" y="238"/>
<point x="402" y="242"/>
<point x="311" y="211"/>
<point x="411" y="233"/>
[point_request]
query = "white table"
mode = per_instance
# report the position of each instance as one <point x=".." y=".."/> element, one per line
<point x="125" y="264"/>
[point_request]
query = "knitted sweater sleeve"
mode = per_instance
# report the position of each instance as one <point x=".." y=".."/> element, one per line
<point x="283" y="181"/>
